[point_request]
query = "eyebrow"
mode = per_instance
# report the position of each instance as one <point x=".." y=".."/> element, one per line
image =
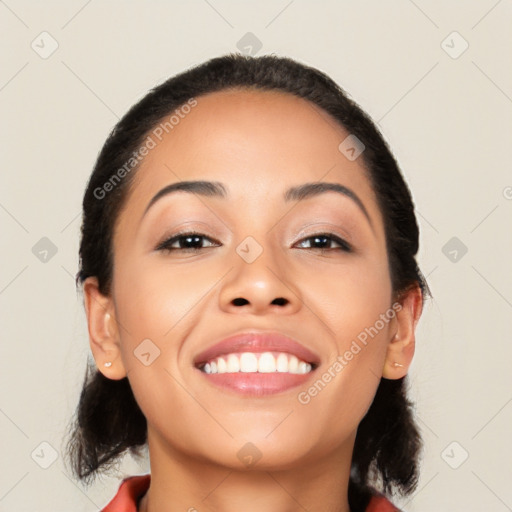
<point x="217" y="189"/>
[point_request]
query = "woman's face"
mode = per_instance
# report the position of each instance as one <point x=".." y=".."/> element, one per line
<point x="171" y="303"/>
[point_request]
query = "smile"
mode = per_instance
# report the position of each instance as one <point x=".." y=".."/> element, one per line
<point x="257" y="373"/>
<point x="250" y="362"/>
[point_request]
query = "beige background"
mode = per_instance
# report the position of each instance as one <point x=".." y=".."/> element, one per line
<point x="448" y="118"/>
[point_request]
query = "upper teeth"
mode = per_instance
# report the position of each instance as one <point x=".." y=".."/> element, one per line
<point x="264" y="362"/>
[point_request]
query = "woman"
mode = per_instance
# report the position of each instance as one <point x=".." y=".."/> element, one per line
<point x="251" y="289"/>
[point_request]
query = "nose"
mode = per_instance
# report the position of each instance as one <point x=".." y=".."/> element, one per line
<point x="260" y="287"/>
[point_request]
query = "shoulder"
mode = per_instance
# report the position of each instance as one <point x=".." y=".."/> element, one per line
<point x="130" y="491"/>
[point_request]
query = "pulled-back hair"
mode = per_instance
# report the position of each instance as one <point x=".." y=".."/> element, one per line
<point x="108" y="421"/>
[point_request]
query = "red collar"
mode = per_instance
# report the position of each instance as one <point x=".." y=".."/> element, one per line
<point x="134" y="487"/>
<point x="130" y="490"/>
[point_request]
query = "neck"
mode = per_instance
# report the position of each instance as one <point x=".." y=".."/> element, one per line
<point x="182" y="482"/>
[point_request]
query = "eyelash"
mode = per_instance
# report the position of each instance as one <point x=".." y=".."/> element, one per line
<point x="166" y="244"/>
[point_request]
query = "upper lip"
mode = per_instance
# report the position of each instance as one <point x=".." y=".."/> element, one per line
<point x="257" y="341"/>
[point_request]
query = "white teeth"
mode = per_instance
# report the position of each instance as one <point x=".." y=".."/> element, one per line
<point x="303" y="367"/>
<point x="222" y="366"/>
<point x="266" y="363"/>
<point x="282" y="363"/>
<point x="249" y="362"/>
<point x="233" y="364"/>
<point x="293" y="364"/>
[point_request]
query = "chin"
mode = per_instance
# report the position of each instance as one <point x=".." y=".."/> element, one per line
<point x="259" y="452"/>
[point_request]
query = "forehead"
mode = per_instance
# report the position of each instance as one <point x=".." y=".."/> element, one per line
<point x="255" y="142"/>
<point x="254" y="124"/>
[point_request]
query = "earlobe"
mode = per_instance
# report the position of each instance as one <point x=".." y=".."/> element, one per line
<point x="401" y="346"/>
<point x="103" y="332"/>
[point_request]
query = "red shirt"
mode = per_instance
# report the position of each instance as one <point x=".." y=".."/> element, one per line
<point x="134" y="487"/>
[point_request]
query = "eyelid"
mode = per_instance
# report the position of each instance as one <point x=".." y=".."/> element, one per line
<point x="317" y="228"/>
<point x="192" y="226"/>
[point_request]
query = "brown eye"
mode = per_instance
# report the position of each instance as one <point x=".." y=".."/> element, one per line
<point x="324" y="241"/>
<point x="186" y="242"/>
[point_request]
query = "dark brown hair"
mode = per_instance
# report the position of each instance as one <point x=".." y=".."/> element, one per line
<point x="108" y="421"/>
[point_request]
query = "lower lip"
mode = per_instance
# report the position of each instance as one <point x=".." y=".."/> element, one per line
<point x="258" y="384"/>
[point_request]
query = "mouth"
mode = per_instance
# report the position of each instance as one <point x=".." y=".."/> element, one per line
<point x="257" y="364"/>
<point x="254" y="362"/>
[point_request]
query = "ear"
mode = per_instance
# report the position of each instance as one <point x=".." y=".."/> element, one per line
<point x="401" y="345"/>
<point x="103" y="330"/>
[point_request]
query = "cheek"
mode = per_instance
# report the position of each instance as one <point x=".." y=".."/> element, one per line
<point x="351" y="298"/>
<point x="155" y="306"/>
<point x="151" y="297"/>
<point x="354" y="303"/>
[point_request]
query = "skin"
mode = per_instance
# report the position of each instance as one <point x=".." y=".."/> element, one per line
<point x="257" y="144"/>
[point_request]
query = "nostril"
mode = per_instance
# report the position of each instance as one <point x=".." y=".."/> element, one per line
<point x="280" y="301"/>
<point x="240" y="302"/>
